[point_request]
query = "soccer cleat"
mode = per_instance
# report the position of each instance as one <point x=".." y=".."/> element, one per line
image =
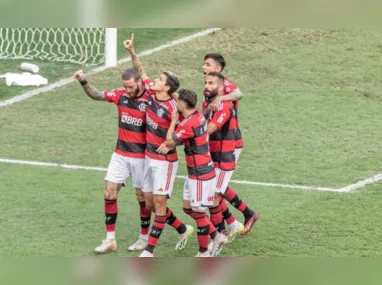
<point x="248" y="223"/>
<point x="203" y="254"/>
<point x="106" y="246"/>
<point x="139" y="245"/>
<point x="210" y="245"/>
<point x="183" y="238"/>
<point x="145" y="253"/>
<point x="235" y="229"/>
<point x="218" y="244"/>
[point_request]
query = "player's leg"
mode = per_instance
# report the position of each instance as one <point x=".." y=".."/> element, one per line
<point x="250" y="216"/>
<point x="223" y="178"/>
<point x="137" y="167"/>
<point x="116" y="174"/>
<point x="215" y="211"/>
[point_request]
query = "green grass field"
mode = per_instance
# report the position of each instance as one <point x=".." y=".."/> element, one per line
<point x="311" y="116"/>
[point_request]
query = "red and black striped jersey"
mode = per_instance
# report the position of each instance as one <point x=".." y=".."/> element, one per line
<point x="131" y="121"/>
<point x="222" y="141"/>
<point x="229" y="87"/>
<point x="193" y="132"/>
<point x="158" y="118"/>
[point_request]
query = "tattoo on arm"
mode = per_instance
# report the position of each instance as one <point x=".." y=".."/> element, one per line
<point x="138" y="66"/>
<point x="93" y="93"/>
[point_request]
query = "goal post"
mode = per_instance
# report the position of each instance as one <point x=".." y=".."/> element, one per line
<point x="110" y="47"/>
<point x="84" y="46"/>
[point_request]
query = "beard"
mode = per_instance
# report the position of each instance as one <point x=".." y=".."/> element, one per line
<point x="210" y="94"/>
<point x="135" y="93"/>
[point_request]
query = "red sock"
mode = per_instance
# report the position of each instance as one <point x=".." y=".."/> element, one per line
<point x="145" y="214"/>
<point x="217" y="218"/>
<point x="234" y="199"/>
<point x="203" y="225"/>
<point x="111" y="212"/>
<point x="156" y="231"/>
<point x="227" y="215"/>
<point x="175" y="222"/>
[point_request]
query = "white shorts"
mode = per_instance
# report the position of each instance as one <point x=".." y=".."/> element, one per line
<point x="200" y="193"/>
<point x="237" y="153"/>
<point x="222" y="180"/>
<point x="121" y="167"/>
<point x="159" y="176"/>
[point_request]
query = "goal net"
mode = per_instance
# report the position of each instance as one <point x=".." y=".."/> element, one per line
<point x="85" y="46"/>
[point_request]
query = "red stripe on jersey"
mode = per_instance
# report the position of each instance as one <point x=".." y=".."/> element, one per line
<point x="158" y="117"/>
<point x="222" y="141"/>
<point x="229" y="87"/>
<point x="193" y="132"/>
<point x="131" y="122"/>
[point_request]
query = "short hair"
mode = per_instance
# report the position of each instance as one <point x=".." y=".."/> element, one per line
<point x="189" y="97"/>
<point x="129" y="73"/>
<point x="218" y="75"/>
<point x="218" y="58"/>
<point x="172" y="81"/>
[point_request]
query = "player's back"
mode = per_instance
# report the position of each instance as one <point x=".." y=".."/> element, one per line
<point x="158" y="118"/>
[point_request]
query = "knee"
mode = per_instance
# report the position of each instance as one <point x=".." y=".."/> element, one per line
<point x="160" y="202"/>
<point x="217" y="199"/>
<point x="111" y="191"/>
<point x="139" y="195"/>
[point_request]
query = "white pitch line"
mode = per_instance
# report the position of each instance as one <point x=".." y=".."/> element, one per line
<point x="362" y="183"/>
<point x="66" y="81"/>
<point x="69" y="166"/>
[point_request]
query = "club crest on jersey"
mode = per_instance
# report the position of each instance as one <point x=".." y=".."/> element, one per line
<point x="160" y="112"/>
<point x="142" y="107"/>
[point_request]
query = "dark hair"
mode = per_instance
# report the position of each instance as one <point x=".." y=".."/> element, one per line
<point x="129" y="73"/>
<point x="189" y="97"/>
<point x="218" y="58"/>
<point x="172" y="81"/>
<point x="218" y="75"/>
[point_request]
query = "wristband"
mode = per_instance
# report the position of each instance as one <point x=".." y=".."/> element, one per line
<point x="84" y="82"/>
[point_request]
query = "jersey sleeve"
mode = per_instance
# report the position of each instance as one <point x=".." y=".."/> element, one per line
<point x="182" y="132"/>
<point x="112" y="96"/>
<point x="222" y="115"/>
<point x="229" y="87"/>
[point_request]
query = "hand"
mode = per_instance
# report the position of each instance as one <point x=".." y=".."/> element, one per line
<point x="129" y="44"/>
<point x="175" y="115"/>
<point x="163" y="149"/>
<point x="215" y="104"/>
<point x="79" y="75"/>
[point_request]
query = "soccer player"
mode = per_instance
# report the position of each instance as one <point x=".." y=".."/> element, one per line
<point x="216" y="63"/>
<point x="160" y="170"/>
<point x="199" y="187"/>
<point x="128" y="158"/>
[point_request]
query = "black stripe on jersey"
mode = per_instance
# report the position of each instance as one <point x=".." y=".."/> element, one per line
<point x="153" y="149"/>
<point x="159" y="131"/>
<point x="238" y="134"/>
<point x="131" y="147"/>
<point x="158" y="109"/>
<point x="194" y="149"/>
<point x="222" y="156"/>
<point x="125" y="101"/>
<point x="201" y="169"/>
<point x="218" y="135"/>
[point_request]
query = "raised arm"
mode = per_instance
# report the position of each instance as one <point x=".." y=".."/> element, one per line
<point x="89" y="89"/>
<point x="129" y="46"/>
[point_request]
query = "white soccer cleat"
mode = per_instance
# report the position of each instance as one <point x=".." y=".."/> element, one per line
<point x="236" y="228"/>
<point x="218" y="244"/>
<point x="183" y="238"/>
<point x="106" y="246"/>
<point x="210" y="245"/>
<point x="203" y="254"/>
<point x="139" y="245"/>
<point x="145" y="253"/>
